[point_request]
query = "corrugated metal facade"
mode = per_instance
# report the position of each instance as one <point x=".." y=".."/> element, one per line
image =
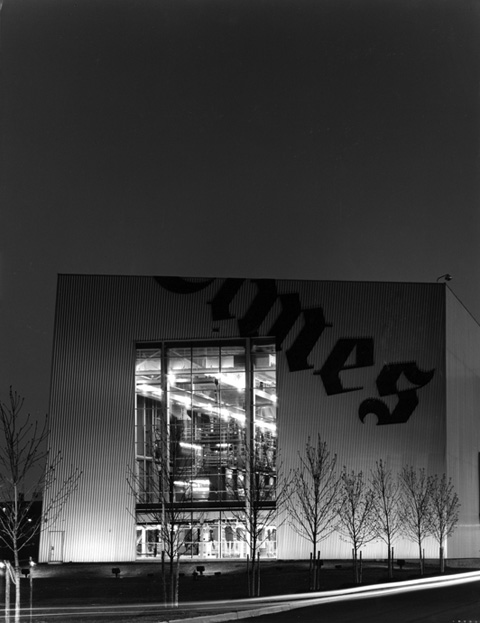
<point x="325" y="384"/>
<point x="463" y="423"/>
<point x="406" y="324"/>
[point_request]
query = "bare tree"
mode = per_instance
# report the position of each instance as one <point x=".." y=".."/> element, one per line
<point x="260" y="495"/>
<point x="445" y="508"/>
<point x="27" y="469"/>
<point x="313" y="499"/>
<point x="166" y="493"/>
<point x="386" y="503"/>
<point x="356" y="514"/>
<point x="416" y="507"/>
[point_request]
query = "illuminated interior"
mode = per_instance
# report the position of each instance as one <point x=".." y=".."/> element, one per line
<point x="205" y="405"/>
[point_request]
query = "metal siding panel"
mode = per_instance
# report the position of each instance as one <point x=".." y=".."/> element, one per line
<point x="98" y="321"/>
<point x="406" y="322"/>
<point x="91" y="419"/>
<point x="463" y="423"/>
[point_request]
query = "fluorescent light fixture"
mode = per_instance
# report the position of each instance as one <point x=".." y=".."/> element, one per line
<point x="150" y="389"/>
<point x="196" y="485"/>
<point x="191" y="446"/>
<point x="266" y="425"/>
<point x="232" y="379"/>
<point x="185" y="400"/>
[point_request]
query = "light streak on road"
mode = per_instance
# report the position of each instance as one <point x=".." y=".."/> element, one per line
<point x="394" y="588"/>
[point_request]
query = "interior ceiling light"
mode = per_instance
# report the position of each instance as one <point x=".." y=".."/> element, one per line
<point x="263" y="394"/>
<point x="232" y="380"/>
<point x="190" y="446"/>
<point x="266" y="425"/>
<point x="150" y="389"/>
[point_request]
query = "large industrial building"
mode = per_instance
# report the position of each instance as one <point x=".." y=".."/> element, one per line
<point x="385" y="371"/>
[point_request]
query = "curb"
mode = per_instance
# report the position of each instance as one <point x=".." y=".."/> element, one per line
<point x="234" y="616"/>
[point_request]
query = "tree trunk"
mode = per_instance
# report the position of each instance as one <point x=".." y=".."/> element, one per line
<point x="310" y="573"/>
<point x="177" y="571"/>
<point x="313" y="580"/>
<point x="421" y="558"/>
<point x="7" y="595"/>
<point x="171" y="588"/>
<point x="315" y="572"/>
<point x="31" y="592"/>
<point x="17" y="595"/>
<point x="253" y="575"/>
<point x="17" y="585"/>
<point x="253" y="569"/>
<point x="258" y="575"/>
<point x="164" y="579"/>
<point x="390" y="562"/>
<point x="442" y="560"/>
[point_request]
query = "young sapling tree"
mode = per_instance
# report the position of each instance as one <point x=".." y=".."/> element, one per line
<point x="445" y="507"/>
<point x="313" y="499"/>
<point x="27" y="470"/>
<point x="416" y="507"/>
<point x="356" y="514"/>
<point x="386" y="504"/>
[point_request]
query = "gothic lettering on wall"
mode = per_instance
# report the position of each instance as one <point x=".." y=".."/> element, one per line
<point x="225" y="295"/>
<point x="314" y="324"/>
<point x="336" y="363"/>
<point x="387" y="382"/>
<point x="179" y="285"/>
<point x="263" y="301"/>
<point x="349" y="353"/>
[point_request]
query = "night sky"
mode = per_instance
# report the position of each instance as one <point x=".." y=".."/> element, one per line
<point x="258" y="138"/>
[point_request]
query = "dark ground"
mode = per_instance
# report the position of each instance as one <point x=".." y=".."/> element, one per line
<point x="83" y="585"/>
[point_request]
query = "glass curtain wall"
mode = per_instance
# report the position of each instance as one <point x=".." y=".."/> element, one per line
<point x="148" y="422"/>
<point x="212" y="401"/>
<point x="206" y="407"/>
<point x="265" y="416"/>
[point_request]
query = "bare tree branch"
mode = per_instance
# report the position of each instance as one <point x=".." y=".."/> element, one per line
<point x="261" y="497"/>
<point x="416" y="507"/>
<point x="386" y="502"/>
<point x="445" y="507"/>
<point x="313" y="499"/>
<point x="356" y="513"/>
<point x="26" y="471"/>
<point x="167" y="502"/>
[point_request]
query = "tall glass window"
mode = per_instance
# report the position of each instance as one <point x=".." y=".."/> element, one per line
<point x="148" y="420"/>
<point x="206" y="410"/>
<point x="265" y="414"/>
<point x="213" y="402"/>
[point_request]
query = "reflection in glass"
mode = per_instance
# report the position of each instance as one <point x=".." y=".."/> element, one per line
<point x="206" y="409"/>
<point x="198" y="401"/>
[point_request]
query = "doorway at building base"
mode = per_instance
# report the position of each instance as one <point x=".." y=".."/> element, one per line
<point x="217" y="537"/>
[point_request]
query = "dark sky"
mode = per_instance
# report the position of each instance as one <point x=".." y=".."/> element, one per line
<point x="268" y="138"/>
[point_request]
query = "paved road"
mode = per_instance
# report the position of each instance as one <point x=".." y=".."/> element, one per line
<point x="448" y="604"/>
<point x="451" y="602"/>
